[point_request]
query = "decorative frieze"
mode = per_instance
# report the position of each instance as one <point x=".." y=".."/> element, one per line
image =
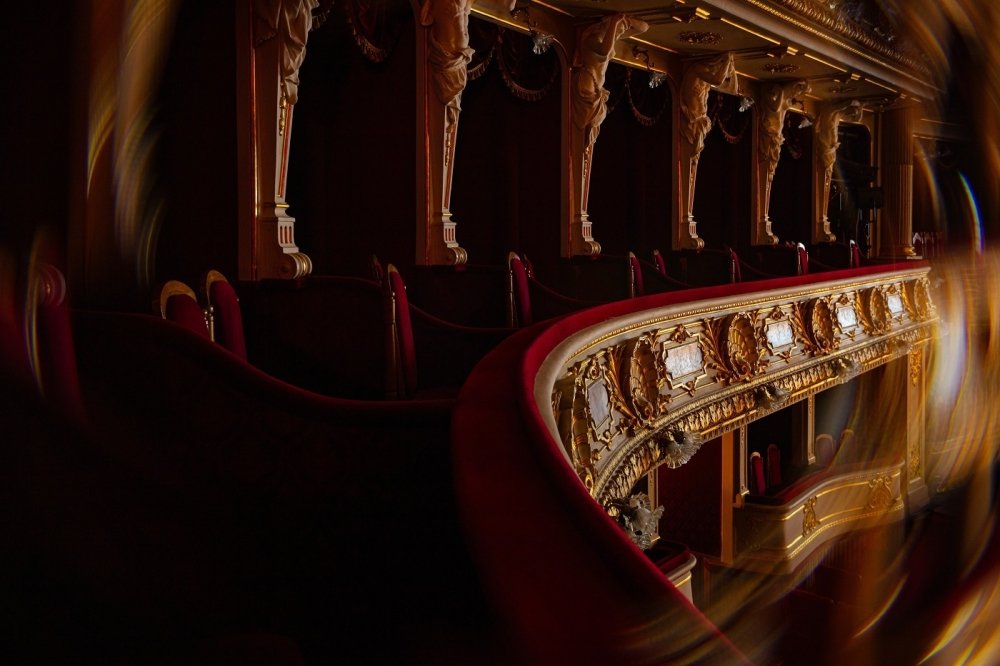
<point x="647" y="393"/>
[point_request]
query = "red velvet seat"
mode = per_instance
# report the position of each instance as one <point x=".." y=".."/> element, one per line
<point x="703" y="267"/>
<point x="773" y="467"/>
<point x="443" y="352"/>
<point x="825" y="449"/>
<point x="224" y="306"/>
<point x="758" y="481"/>
<point x="533" y="301"/>
<point x="178" y="303"/>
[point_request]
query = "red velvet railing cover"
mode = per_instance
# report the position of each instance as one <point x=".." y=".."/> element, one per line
<point x="566" y="582"/>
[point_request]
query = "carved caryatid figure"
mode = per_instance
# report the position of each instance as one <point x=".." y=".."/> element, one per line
<point x="700" y="76"/>
<point x="290" y="21"/>
<point x="776" y="99"/>
<point x="280" y="31"/>
<point x="827" y="142"/>
<point x="594" y="50"/>
<point x="593" y="53"/>
<point x="449" y="52"/>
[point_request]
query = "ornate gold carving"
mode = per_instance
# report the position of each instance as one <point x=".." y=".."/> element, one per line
<point x="917" y="298"/>
<point x="880" y="493"/>
<point x="733" y="345"/>
<point x="780" y="68"/>
<point x="817" y="327"/>
<point x="873" y="310"/>
<point x="822" y="326"/>
<point x="916" y="366"/>
<point x="817" y="15"/>
<point x="701" y="38"/>
<point x="645" y="374"/>
<point x="636" y="518"/>
<point x="680" y="334"/>
<point x="809" y="520"/>
<point x="779" y="334"/>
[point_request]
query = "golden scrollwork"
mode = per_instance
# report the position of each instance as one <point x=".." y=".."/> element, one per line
<point x="873" y="310"/>
<point x="917" y="297"/>
<point x="880" y="493"/>
<point x="916" y="366"/>
<point x="733" y="346"/>
<point x="645" y="377"/>
<point x="809" y="520"/>
<point x="822" y="326"/>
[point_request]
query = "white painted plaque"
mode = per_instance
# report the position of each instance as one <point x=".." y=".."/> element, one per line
<point x="779" y="334"/>
<point x="847" y="317"/>
<point x="895" y="304"/>
<point x="684" y="360"/>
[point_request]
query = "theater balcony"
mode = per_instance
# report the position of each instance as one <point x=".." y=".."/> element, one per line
<point x="595" y="452"/>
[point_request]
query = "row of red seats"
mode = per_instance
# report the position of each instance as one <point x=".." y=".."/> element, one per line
<point x="170" y="502"/>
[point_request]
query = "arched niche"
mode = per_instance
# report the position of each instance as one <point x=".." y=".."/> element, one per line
<point x="352" y="171"/>
<point x="506" y="182"/>
<point x="791" y="190"/>
<point x="851" y="193"/>
<point x="722" y="201"/>
<point x="195" y="176"/>
<point x="630" y="194"/>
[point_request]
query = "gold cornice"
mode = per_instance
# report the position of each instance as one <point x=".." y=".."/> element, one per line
<point x="814" y="14"/>
<point x="619" y="415"/>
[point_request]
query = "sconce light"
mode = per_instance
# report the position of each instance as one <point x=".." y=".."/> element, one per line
<point x="805" y="122"/>
<point x="771" y="396"/>
<point x="678" y="446"/>
<point x="541" y="41"/>
<point x="846" y="368"/>
<point x="656" y="78"/>
<point x="745" y="103"/>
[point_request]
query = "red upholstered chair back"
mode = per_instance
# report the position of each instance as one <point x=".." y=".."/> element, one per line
<point x="375" y="266"/>
<point x="177" y="303"/>
<point x="847" y="448"/>
<point x="855" y="255"/>
<point x="519" y="293"/>
<point x="661" y="264"/>
<point x="825" y="449"/>
<point x="224" y="308"/>
<point x="402" y="360"/>
<point x="13" y="351"/>
<point x="50" y="341"/>
<point x="735" y="275"/>
<point x="773" y="467"/>
<point x="758" y="484"/>
<point x="803" y="259"/>
<point x="636" y="285"/>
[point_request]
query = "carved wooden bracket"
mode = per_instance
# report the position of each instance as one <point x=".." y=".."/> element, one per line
<point x="699" y="77"/>
<point x="825" y="147"/>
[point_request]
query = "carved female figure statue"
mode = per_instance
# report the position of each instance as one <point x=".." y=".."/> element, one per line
<point x="827" y="140"/>
<point x="776" y="99"/>
<point x="700" y="77"/>
<point x="594" y="49"/>
<point x="290" y="21"/>
<point x="449" y="52"/>
<point x="827" y="125"/>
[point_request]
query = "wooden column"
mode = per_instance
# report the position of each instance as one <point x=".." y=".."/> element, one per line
<point x="897" y="183"/>
<point x="272" y="39"/>
<point x="587" y="109"/>
<point x="825" y="145"/>
<point x="442" y="56"/>
<point x="916" y="489"/>
<point x="699" y="77"/>
<point x="776" y="99"/>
